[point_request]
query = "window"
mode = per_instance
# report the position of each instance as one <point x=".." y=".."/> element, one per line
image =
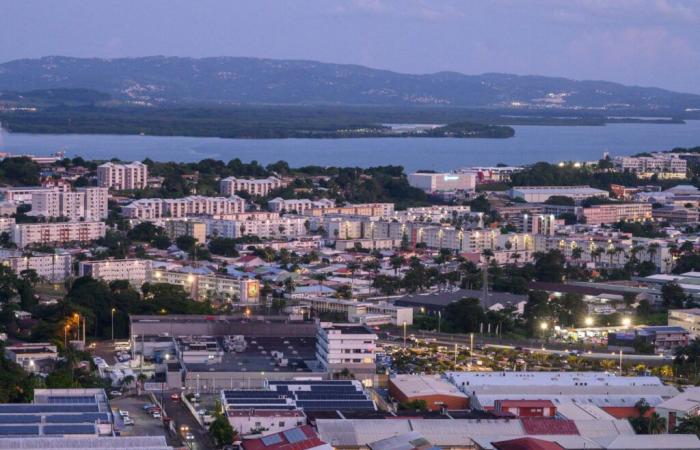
<point x="281" y="424"/>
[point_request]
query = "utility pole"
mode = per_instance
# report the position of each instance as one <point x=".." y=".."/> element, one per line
<point x="620" y="362"/>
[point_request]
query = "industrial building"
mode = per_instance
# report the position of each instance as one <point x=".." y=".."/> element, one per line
<point x="437" y="392"/>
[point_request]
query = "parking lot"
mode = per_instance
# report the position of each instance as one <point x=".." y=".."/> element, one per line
<point x="144" y="423"/>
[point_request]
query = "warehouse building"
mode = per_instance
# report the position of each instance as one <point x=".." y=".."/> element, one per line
<point x="437" y="392"/>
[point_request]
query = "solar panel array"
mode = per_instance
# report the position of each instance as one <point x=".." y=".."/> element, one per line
<point x="271" y="440"/>
<point x="312" y="382"/>
<point x="67" y="400"/>
<point x="77" y="418"/>
<point x="294" y="435"/>
<point x="29" y="408"/>
<point x="330" y="405"/>
<point x="19" y="430"/>
<point x="69" y="429"/>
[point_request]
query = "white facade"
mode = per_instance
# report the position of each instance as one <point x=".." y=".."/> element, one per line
<point x="22" y="195"/>
<point x="122" y="177"/>
<point x="440" y="182"/>
<point x="666" y="165"/>
<point x="136" y="271"/>
<point x="540" y="194"/>
<point x="255" y="187"/>
<point x="288" y="227"/>
<point x="49" y="266"/>
<point x="298" y="205"/>
<point x="345" y="346"/>
<point x="25" y="234"/>
<point x="194" y="205"/>
<point x="95" y="202"/>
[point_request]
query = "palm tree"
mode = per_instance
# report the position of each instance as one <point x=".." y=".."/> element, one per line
<point x="608" y="365"/>
<point x="666" y="371"/>
<point x="353" y="266"/>
<point x="141" y="382"/>
<point x="320" y="277"/>
<point x="689" y="425"/>
<point x="576" y="253"/>
<point x="128" y="381"/>
<point x="397" y="262"/>
<point x="656" y="424"/>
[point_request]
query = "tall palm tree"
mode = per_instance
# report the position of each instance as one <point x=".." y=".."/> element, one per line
<point x="689" y="425"/>
<point x="397" y="262"/>
<point x="320" y="278"/>
<point x="353" y="266"/>
<point x="656" y="424"/>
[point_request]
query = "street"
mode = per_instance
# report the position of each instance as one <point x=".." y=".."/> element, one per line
<point x="181" y="416"/>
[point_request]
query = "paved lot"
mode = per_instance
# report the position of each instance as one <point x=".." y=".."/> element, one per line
<point x="144" y="424"/>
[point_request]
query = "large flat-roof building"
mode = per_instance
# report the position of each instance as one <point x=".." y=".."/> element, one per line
<point x="259" y="187"/>
<point x="437" y="392"/>
<point x="347" y="347"/>
<point x="25" y="234"/>
<point x="440" y="182"/>
<point x="540" y="194"/>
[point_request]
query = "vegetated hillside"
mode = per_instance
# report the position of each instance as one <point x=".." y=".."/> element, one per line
<point x="231" y="80"/>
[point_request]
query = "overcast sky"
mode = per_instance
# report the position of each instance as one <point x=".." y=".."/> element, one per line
<point x="644" y="42"/>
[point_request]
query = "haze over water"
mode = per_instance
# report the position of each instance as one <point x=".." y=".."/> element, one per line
<point x="530" y="144"/>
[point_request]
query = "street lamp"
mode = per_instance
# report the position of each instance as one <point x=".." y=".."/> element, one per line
<point x="543" y="327"/>
<point x="589" y="321"/>
<point x="626" y="322"/>
<point x="113" y="311"/>
<point x="404" y="334"/>
<point x="65" y="335"/>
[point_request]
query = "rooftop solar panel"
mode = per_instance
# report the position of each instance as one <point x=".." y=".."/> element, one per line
<point x="69" y="429"/>
<point x="330" y="396"/>
<point x="310" y="382"/>
<point x="17" y="408"/>
<point x="19" y="430"/>
<point x="290" y="407"/>
<point x="294" y="435"/>
<point x="319" y="405"/>
<point x="271" y="440"/>
<point x="252" y="394"/>
<point x="19" y="418"/>
<point x="64" y="399"/>
<point x="77" y="418"/>
<point x="255" y="401"/>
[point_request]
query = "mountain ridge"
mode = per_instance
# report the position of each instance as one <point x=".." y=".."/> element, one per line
<point x="157" y="80"/>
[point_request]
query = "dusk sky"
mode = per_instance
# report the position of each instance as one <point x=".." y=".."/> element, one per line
<point x="644" y="42"/>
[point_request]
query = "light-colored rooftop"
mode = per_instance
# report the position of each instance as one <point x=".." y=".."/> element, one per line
<point x="423" y="385"/>
<point x="471" y="380"/>
<point x="685" y="401"/>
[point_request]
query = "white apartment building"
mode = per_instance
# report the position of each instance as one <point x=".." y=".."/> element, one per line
<point x="441" y="182"/>
<point x="347" y="346"/>
<point x="435" y="213"/>
<point x="540" y="194"/>
<point x="53" y="267"/>
<point x="194" y="205"/>
<point x="7" y="224"/>
<point x="85" y="204"/>
<point x="255" y="187"/>
<point x="606" y="214"/>
<point x="200" y="287"/>
<point x="664" y="165"/>
<point x="122" y="177"/>
<point x="22" y="195"/>
<point x="282" y="227"/>
<point x="95" y="202"/>
<point x="385" y="210"/>
<point x="25" y="234"/>
<point x="136" y="271"/>
<point x="299" y="205"/>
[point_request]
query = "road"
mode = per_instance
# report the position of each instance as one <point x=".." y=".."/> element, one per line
<point x="182" y="416"/>
<point x="451" y="339"/>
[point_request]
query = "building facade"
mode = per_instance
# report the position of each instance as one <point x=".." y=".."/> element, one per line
<point x="121" y="177"/>
<point x="59" y="233"/>
<point x="345" y="346"/>
<point x="259" y="187"/>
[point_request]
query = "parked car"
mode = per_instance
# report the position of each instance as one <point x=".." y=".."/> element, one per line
<point x="123" y="413"/>
<point x="148" y="406"/>
<point x="115" y="393"/>
<point x="156" y="414"/>
<point x="128" y="421"/>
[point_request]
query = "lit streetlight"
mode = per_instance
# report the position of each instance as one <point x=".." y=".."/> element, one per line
<point x="543" y="327"/>
<point x="626" y="322"/>
<point x="404" y="334"/>
<point x="113" y="311"/>
<point x="589" y="321"/>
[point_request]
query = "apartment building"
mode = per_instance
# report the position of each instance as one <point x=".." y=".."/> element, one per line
<point x="25" y="234"/>
<point x="195" y="228"/>
<point x="607" y="214"/>
<point x="136" y="271"/>
<point x="22" y="195"/>
<point x="441" y="182"/>
<point x="7" y="224"/>
<point x="194" y="205"/>
<point x="676" y="215"/>
<point x="95" y="202"/>
<point x="360" y="209"/>
<point x="120" y="177"/>
<point x="435" y="213"/>
<point x="540" y="194"/>
<point x="200" y="287"/>
<point x="259" y="187"/>
<point x="298" y="205"/>
<point x="84" y="204"/>
<point x="54" y="267"/>
<point x="663" y="165"/>
<point x="270" y="227"/>
<point x="347" y="346"/>
<point x="362" y="311"/>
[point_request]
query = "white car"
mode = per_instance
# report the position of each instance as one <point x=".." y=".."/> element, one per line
<point x="128" y="421"/>
<point x="156" y="414"/>
<point x="123" y="413"/>
<point x="115" y="393"/>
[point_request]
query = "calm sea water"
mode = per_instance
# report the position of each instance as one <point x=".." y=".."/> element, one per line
<point x="530" y="144"/>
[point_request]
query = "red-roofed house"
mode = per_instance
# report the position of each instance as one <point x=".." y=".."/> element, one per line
<point x="527" y="443"/>
<point x="546" y="425"/>
<point x="301" y="438"/>
<point x="526" y="408"/>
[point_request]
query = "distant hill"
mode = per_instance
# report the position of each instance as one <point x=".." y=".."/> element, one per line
<point x="233" y="80"/>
